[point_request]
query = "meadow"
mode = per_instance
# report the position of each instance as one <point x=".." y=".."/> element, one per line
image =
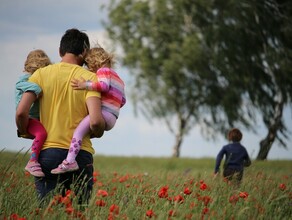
<point x="153" y="188"/>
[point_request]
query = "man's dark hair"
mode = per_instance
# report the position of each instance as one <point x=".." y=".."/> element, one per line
<point x="74" y="41"/>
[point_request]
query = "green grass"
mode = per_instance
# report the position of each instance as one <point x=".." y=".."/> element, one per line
<point x="133" y="183"/>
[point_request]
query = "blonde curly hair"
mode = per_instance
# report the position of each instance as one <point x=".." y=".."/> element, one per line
<point x="234" y="135"/>
<point x="97" y="57"/>
<point x="35" y="60"/>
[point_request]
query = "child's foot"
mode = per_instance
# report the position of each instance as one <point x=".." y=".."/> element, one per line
<point x="34" y="168"/>
<point x="64" y="167"/>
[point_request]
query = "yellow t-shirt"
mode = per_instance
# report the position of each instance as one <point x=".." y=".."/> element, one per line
<point x="61" y="107"/>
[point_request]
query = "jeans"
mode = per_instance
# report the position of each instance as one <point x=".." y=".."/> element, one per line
<point x="80" y="181"/>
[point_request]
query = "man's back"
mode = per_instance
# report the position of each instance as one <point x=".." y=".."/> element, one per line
<point x="61" y="107"/>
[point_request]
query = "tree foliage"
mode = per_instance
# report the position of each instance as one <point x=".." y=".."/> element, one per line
<point x="208" y="63"/>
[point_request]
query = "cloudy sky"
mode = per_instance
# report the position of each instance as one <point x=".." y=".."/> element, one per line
<point x="34" y="24"/>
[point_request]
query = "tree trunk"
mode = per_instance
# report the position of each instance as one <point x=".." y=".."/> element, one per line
<point x="178" y="142"/>
<point x="266" y="143"/>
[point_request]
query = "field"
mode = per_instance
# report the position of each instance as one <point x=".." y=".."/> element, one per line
<point x="154" y="188"/>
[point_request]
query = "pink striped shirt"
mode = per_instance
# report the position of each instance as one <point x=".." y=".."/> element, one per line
<point x="112" y="91"/>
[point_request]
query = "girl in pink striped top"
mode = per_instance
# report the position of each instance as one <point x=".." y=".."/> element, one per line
<point x="113" y="98"/>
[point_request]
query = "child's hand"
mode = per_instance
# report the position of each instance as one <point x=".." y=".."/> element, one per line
<point x="26" y="136"/>
<point x="215" y="175"/>
<point x="78" y="84"/>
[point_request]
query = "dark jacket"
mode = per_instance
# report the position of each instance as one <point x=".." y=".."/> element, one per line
<point x="236" y="157"/>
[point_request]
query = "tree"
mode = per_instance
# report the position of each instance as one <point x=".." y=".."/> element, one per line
<point x="255" y="41"/>
<point x="207" y="63"/>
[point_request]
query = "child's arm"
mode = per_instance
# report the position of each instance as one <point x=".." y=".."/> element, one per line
<point x="26" y="86"/>
<point x="102" y="85"/>
<point x="247" y="161"/>
<point x="218" y="160"/>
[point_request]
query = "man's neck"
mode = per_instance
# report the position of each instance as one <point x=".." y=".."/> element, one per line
<point x="72" y="59"/>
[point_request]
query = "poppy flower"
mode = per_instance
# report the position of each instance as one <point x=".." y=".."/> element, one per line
<point x="66" y="201"/>
<point x="203" y="186"/>
<point x="282" y="186"/>
<point x="178" y="199"/>
<point x="114" y="209"/>
<point x="171" y="213"/>
<point x="150" y="213"/>
<point x="205" y="210"/>
<point x="102" y="193"/>
<point x="110" y="216"/>
<point x="124" y="178"/>
<point x="243" y="195"/>
<point x="96" y="173"/>
<point x="233" y="199"/>
<point x="14" y="216"/>
<point x="163" y="192"/>
<point x="187" y="191"/>
<point x="206" y="200"/>
<point x="100" y="203"/>
<point x="69" y="210"/>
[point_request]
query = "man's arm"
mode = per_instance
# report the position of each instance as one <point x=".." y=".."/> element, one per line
<point x="97" y="123"/>
<point x="22" y="111"/>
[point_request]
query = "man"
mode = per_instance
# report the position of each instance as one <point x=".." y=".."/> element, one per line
<point x="61" y="110"/>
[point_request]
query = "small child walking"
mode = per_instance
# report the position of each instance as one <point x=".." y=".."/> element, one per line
<point x="113" y="98"/>
<point x="236" y="157"/>
<point x="36" y="59"/>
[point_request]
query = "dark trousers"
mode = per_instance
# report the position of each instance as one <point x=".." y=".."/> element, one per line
<point x="232" y="174"/>
<point x="81" y="181"/>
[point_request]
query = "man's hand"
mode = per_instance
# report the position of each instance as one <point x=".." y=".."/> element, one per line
<point x="78" y="84"/>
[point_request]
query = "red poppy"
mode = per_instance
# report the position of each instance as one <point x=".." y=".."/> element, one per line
<point x="163" y="192"/>
<point x="69" y="210"/>
<point x="206" y="200"/>
<point x="233" y="199"/>
<point x="69" y="192"/>
<point x="56" y="200"/>
<point x="205" y="210"/>
<point x="203" y="186"/>
<point x="150" y="213"/>
<point x="178" y="199"/>
<point x="243" y="195"/>
<point x="171" y="213"/>
<point x="187" y="191"/>
<point x="66" y="201"/>
<point x="282" y="186"/>
<point x="114" y="209"/>
<point x="124" y="178"/>
<point x="14" y="216"/>
<point x="100" y="203"/>
<point x="102" y="193"/>
<point x="110" y="216"/>
<point x="96" y="173"/>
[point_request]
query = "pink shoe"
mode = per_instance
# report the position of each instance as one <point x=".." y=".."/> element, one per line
<point x="65" y="167"/>
<point x="34" y="168"/>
